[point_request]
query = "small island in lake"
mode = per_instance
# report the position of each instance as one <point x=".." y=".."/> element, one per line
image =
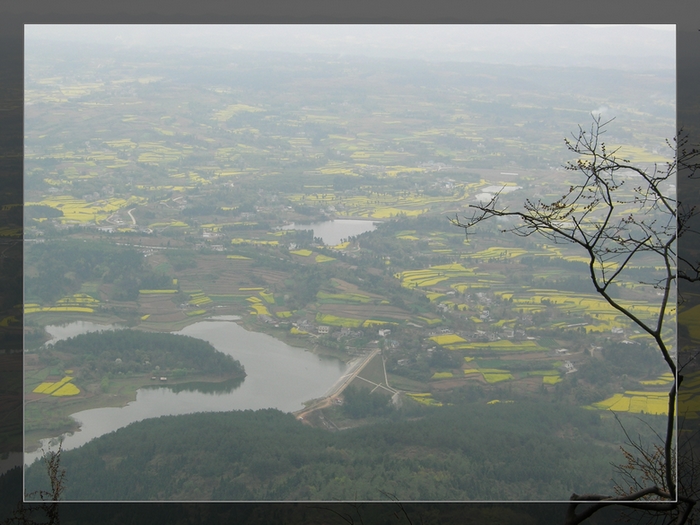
<point x="105" y="368"/>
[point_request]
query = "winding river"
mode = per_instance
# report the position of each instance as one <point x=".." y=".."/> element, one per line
<point x="278" y="376"/>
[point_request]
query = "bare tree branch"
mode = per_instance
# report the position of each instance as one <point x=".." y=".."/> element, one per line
<point x="615" y="228"/>
<point x="24" y="514"/>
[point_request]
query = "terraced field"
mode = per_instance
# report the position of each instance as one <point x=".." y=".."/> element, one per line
<point x="220" y="182"/>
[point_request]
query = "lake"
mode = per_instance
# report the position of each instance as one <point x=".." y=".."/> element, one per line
<point x="278" y="376"/>
<point x="336" y="231"/>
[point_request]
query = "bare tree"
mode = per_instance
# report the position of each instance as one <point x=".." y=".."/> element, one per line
<point x="619" y="215"/>
<point x="25" y="514"/>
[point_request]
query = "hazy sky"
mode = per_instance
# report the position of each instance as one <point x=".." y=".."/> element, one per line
<point x="609" y="46"/>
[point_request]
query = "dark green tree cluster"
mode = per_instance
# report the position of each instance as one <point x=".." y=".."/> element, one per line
<point x="467" y="452"/>
<point x="131" y="351"/>
<point x="305" y="285"/>
<point x="41" y="212"/>
<point x="361" y="402"/>
<point x="54" y="269"/>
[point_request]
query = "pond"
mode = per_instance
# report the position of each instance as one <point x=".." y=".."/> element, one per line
<point x="336" y="231"/>
<point x="278" y="376"/>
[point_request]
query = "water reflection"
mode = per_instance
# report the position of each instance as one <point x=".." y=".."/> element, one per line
<point x="68" y="330"/>
<point x="205" y="387"/>
<point x="278" y="376"/>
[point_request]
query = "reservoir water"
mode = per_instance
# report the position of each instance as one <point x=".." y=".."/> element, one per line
<point x="336" y="231"/>
<point x="278" y="376"/>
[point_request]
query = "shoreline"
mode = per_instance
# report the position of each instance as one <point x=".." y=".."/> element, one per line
<point x="126" y="388"/>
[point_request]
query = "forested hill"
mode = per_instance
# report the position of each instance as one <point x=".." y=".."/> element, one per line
<point x="132" y="351"/>
<point x="471" y="452"/>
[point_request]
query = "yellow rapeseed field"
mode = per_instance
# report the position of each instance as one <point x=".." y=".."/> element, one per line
<point x="425" y="399"/>
<point x="259" y="309"/>
<point x="59" y="389"/>
<point x="447" y="339"/>
<point x="268" y="297"/>
<point x="332" y="320"/>
<point x="302" y="252"/>
<point x="69" y="389"/>
<point x="636" y="402"/>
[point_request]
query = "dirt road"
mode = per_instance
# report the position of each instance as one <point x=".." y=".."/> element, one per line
<point x="338" y="387"/>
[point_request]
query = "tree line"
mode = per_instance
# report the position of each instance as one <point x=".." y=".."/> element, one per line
<point x="467" y="452"/>
<point x="97" y="354"/>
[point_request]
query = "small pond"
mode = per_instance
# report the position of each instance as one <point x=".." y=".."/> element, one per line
<point x="336" y="231"/>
